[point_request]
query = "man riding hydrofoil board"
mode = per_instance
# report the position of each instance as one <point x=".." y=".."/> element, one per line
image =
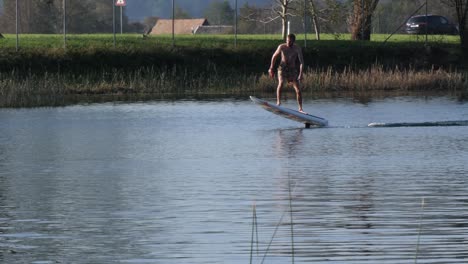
<point x="288" y="71"/>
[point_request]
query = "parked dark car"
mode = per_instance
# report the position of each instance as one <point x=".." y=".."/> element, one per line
<point x="435" y="25"/>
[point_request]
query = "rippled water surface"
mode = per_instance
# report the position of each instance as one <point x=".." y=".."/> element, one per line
<point x="188" y="182"/>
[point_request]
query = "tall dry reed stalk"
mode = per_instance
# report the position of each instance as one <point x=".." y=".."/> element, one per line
<point x="376" y="78"/>
<point x="25" y="90"/>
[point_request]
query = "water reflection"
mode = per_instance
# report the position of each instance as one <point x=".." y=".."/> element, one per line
<point x="174" y="182"/>
<point x="288" y="143"/>
<point x="354" y="202"/>
<point x="310" y="214"/>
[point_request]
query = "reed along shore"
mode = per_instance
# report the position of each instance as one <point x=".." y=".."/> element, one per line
<point x="47" y="76"/>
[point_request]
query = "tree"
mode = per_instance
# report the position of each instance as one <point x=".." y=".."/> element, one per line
<point x="323" y="14"/>
<point x="281" y="8"/>
<point x="46" y="16"/>
<point x="249" y="16"/>
<point x="314" y="13"/>
<point x="255" y="20"/>
<point x="180" y="13"/>
<point x="7" y="19"/>
<point x="321" y="11"/>
<point x="361" y="19"/>
<point x="392" y="14"/>
<point x="461" y="9"/>
<point x="88" y="16"/>
<point x="35" y="16"/>
<point x="220" y="13"/>
<point x="149" y="23"/>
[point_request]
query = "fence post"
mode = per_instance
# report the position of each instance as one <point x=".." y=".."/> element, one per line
<point x="64" y="24"/>
<point x="305" y="24"/>
<point x="427" y="25"/>
<point x="173" y="23"/>
<point x="235" y="25"/>
<point x="17" y="38"/>
<point x="113" y="20"/>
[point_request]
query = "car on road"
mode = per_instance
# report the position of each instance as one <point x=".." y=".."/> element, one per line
<point x="432" y="24"/>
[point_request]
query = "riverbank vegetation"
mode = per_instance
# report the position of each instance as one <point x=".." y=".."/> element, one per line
<point x="43" y="72"/>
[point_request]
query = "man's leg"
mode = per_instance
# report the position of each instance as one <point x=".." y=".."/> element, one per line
<point x="278" y="90"/>
<point x="298" y="95"/>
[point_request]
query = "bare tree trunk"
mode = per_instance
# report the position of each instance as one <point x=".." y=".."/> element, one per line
<point x="463" y="32"/>
<point x="361" y="19"/>
<point x="356" y="20"/>
<point x="316" y="27"/>
<point x="464" y="39"/>
<point x="315" y="21"/>
<point x="27" y="17"/>
<point x="281" y="8"/>
<point x="461" y="9"/>
<point x="284" y="18"/>
<point x="462" y="12"/>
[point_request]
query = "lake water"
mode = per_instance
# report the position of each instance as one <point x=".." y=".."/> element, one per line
<point x="178" y="182"/>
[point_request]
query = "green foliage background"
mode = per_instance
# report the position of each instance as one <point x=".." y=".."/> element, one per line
<point x="91" y="52"/>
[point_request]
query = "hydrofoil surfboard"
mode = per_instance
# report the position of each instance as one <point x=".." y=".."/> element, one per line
<point x="308" y="120"/>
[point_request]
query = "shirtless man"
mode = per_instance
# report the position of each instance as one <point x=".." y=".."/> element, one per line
<point x="288" y="70"/>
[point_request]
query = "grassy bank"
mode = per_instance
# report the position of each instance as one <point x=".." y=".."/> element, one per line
<point x="42" y="72"/>
<point x="37" y="52"/>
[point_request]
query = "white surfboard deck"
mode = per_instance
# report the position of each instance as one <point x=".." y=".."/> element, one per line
<point x="308" y="120"/>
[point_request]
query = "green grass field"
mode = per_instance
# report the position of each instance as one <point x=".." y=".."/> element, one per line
<point x="137" y="41"/>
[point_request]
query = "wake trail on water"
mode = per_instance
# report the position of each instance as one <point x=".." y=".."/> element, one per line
<point x="409" y="124"/>
<point x="421" y="124"/>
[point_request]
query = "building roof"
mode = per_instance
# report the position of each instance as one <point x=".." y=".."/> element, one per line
<point x="181" y="26"/>
<point x="218" y="29"/>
